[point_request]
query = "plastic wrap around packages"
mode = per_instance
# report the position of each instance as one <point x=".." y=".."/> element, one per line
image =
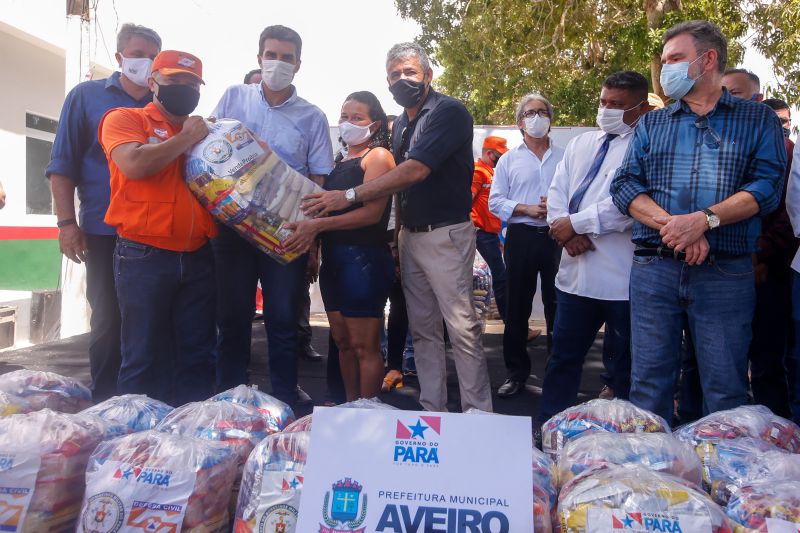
<point x="304" y="423"/>
<point x="277" y="413"/>
<point x="635" y="498"/>
<point x="43" y="457"/>
<point x="245" y="185"/>
<point x="545" y="493"/>
<point x="481" y="288"/>
<point x="660" y="452"/>
<point x="767" y="506"/>
<point x="754" y="421"/>
<point x="238" y="426"/>
<point x="153" y="481"/>
<point x="729" y="464"/>
<point x="611" y="416"/>
<point x="47" y="390"/>
<point x="129" y="413"/>
<point x="272" y="484"/>
<point x="11" y="404"/>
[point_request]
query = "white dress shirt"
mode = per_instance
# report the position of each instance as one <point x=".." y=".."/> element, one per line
<point x="793" y="200"/>
<point x="522" y="178"/>
<point x="603" y="273"/>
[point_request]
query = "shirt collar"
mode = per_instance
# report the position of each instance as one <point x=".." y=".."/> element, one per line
<point x="155" y="115"/>
<point x="726" y="100"/>
<point x="524" y="148"/>
<point x="113" y="81"/>
<point x="430" y="102"/>
<point x="601" y="134"/>
<point x="289" y="101"/>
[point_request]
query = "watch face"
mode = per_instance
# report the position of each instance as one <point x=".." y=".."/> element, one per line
<point x="713" y="221"/>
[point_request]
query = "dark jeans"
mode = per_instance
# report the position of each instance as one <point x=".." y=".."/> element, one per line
<point x="578" y="319"/>
<point x="167" y="304"/>
<point x="397" y="327"/>
<point x="793" y="361"/>
<point x="717" y="299"/>
<point x="772" y="329"/>
<point x="303" y="322"/>
<point x="240" y="266"/>
<point x="104" y="337"/>
<point x="690" y="389"/>
<point x="488" y="245"/>
<point x="529" y="253"/>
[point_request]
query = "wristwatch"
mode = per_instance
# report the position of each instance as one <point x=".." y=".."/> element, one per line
<point x="350" y="195"/>
<point x="711" y="219"/>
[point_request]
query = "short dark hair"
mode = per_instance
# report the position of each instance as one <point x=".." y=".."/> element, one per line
<point x="706" y="35"/>
<point x="750" y="75"/>
<point x="250" y="74"/>
<point x="129" y="30"/>
<point x="381" y="137"/>
<point x="776" y="104"/>
<point x="280" y="33"/>
<point x="630" y="81"/>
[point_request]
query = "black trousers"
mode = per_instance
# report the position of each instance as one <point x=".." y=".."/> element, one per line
<point x="104" y="338"/>
<point x="529" y="253"/>
<point x="397" y="327"/>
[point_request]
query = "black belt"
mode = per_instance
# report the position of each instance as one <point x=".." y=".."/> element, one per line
<point x="431" y="227"/>
<point x="668" y="253"/>
<point x="530" y="227"/>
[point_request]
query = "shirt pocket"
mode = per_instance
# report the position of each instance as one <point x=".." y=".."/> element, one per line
<point x="151" y="205"/>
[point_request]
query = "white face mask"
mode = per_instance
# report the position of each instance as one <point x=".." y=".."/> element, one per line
<point x="277" y="74"/>
<point x="137" y="69"/>
<point x="537" y="126"/>
<point x="610" y="120"/>
<point x="353" y="134"/>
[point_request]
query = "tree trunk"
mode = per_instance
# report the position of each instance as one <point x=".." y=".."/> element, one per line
<point x="655" y="10"/>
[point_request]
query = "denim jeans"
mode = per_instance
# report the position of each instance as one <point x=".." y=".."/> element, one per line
<point x="717" y="300"/>
<point x="793" y="361"/>
<point x="104" y="340"/>
<point x="167" y="304"/>
<point x="578" y="319"/>
<point x="240" y="265"/>
<point x="488" y="245"/>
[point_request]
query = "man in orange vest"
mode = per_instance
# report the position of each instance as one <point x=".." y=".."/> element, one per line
<point x="487" y="240"/>
<point x="163" y="263"/>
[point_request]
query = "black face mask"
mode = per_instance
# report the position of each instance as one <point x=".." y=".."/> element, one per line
<point x="407" y="93"/>
<point x="787" y="132"/>
<point x="180" y="100"/>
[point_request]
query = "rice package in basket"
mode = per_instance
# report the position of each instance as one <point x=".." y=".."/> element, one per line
<point x="43" y="457"/>
<point x="153" y="481"/>
<point x="245" y="185"/>
<point x="611" y="416"/>
<point x="129" y="413"/>
<point x="272" y="484"/>
<point x="278" y="414"/>
<point x="47" y="390"/>
<point x="634" y="498"/>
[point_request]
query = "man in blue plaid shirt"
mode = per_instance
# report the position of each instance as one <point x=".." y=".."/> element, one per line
<point x="697" y="176"/>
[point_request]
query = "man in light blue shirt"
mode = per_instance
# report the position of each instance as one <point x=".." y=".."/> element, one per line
<point x="298" y="132"/>
<point x="519" y="196"/>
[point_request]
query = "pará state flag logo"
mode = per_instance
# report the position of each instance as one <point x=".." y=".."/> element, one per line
<point x="619" y="521"/>
<point x="292" y="483"/>
<point x="417" y="440"/>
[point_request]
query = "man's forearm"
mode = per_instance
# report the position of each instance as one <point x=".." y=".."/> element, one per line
<point x="736" y="208"/>
<point x="643" y="208"/>
<point x="398" y="179"/>
<point x="146" y="160"/>
<point x="63" y="189"/>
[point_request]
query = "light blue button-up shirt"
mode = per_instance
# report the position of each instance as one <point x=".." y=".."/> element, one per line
<point x="295" y="130"/>
<point x="522" y="178"/>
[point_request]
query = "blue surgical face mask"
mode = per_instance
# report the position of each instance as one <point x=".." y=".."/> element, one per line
<point x="675" y="78"/>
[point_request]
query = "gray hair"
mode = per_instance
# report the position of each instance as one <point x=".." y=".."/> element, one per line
<point x="129" y="30"/>
<point x="533" y="97"/>
<point x="706" y="36"/>
<point x="402" y="51"/>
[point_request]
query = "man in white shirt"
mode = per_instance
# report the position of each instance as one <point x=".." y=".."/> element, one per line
<point x="594" y="274"/>
<point x="793" y="357"/>
<point x="519" y="196"/>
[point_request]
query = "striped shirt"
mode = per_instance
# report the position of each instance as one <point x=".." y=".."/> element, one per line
<point x="686" y="163"/>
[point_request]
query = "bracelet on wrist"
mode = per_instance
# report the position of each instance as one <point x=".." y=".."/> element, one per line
<point x="66" y="222"/>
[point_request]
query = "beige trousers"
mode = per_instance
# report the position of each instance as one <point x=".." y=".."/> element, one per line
<point x="436" y="270"/>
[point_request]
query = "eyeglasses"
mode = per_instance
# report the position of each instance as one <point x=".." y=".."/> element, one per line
<point x="710" y="137"/>
<point x="533" y="112"/>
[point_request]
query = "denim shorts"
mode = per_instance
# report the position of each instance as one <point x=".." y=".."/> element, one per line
<point x="356" y="280"/>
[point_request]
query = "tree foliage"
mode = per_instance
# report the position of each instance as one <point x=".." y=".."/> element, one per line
<point x="494" y="51"/>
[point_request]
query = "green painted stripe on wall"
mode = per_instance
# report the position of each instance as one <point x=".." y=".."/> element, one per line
<point x="29" y="265"/>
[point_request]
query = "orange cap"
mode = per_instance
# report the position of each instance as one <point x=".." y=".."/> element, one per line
<point x="495" y="143"/>
<point x="172" y="61"/>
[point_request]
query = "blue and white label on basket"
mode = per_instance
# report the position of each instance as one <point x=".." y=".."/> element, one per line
<point x="18" y="470"/>
<point x="279" y="501"/>
<point x="604" y="520"/>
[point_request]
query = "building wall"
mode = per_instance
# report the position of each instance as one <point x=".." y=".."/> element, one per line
<point x="35" y="69"/>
